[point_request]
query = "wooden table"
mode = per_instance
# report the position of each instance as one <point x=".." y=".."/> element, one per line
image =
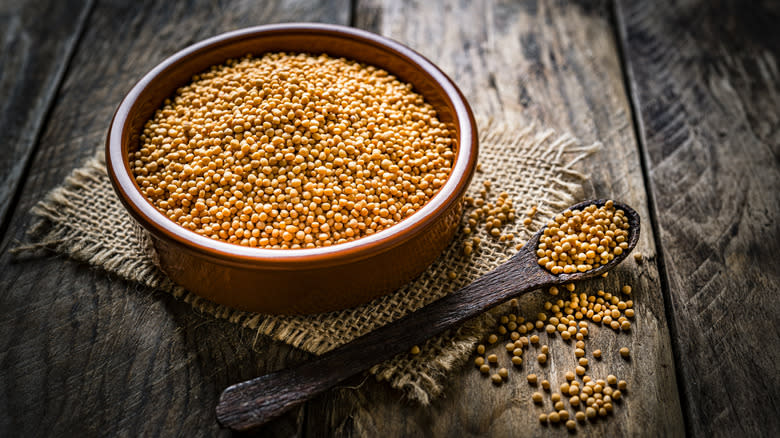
<point x="683" y="95"/>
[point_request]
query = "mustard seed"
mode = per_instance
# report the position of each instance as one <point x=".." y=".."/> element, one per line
<point x="554" y="417"/>
<point x="503" y="373"/>
<point x="581" y="240"/>
<point x="563" y="413"/>
<point x="579" y="416"/>
<point x="622" y="385"/>
<point x="492" y="358"/>
<point x="571" y="425"/>
<point x="481" y="349"/>
<point x="625" y="352"/>
<point x="484" y="368"/>
<point x="496" y="379"/>
<point x="492" y="339"/>
<point x="415" y="350"/>
<point x="543" y="418"/>
<point x="271" y="152"/>
<point x="532" y="379"/>
<point x="542" y="358"/>
<point x="537" y="397"/>
<point x="590" y="412"/>
<point x="546" y="384"/>
<point x="479" y="361"/>
<point x="597" y="354"/>
<point x="517" y="360"/>
<point x="559" y="406"/>
<point x="626" y="290"/>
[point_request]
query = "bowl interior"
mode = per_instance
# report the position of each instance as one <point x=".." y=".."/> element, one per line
<point x="148" y="95"/>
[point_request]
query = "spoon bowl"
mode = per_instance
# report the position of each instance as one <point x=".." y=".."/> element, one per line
<point x="249" y="404"/>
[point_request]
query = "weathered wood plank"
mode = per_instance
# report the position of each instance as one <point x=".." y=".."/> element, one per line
<point x="37" y="40"/>
<point x="557" y="64"/>
<point x="82" y="353"/>
<point x="705" y="85"/>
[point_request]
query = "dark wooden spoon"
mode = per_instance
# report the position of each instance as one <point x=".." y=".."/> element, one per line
<point x="250" y="404"/>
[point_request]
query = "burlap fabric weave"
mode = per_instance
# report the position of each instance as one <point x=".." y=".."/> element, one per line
<point x="83" y="219"/>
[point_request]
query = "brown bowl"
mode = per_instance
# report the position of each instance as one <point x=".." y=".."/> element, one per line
<point x="296" y="280"/>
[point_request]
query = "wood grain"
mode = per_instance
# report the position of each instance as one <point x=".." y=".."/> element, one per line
<point x="36" y="43"/>
<point x="82" y="353"/>
<point x="705" y="82"/>
<point x="556" y="64"/>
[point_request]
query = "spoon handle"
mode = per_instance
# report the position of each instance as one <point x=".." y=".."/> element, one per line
<point x="249" y="404"/>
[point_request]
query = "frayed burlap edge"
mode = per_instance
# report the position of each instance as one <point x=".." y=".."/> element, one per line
<point x="420" y="376"/>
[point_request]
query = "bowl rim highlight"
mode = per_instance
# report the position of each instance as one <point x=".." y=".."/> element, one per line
<point x="162" y="226"/>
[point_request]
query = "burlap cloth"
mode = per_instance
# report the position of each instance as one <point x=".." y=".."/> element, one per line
<point x="84" y="220"/>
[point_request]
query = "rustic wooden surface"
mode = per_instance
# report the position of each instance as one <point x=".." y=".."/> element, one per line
<point x="691" y="142"/>
<point x="705" y="78"/>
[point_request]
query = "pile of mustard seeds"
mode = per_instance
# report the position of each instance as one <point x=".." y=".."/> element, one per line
<point x="292" y="151"/>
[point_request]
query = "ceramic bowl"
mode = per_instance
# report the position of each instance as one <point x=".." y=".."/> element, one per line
<point x="296" y="280"/>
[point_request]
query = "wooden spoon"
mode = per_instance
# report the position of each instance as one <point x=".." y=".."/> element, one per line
<point x="250" y="404"/>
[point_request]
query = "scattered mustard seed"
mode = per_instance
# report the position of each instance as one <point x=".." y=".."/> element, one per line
<point x="415" y="350"/>
<point x="625" y="352"/>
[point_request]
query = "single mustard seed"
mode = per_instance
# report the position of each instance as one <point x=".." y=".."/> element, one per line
<point x="597" y="354"/>
<point x="492" y="358"/>
<point x="554" y="417"/>
<point x="479" y="361"/>
<point x="571" y="425"/>
<point x="537" y="397"/>
<point x="616" y="394"/>
<point x="625" y="352"/>
<point x="626" y="290"/>
<point x="559" y="405"/>
<point x="563" y="413"/>
<point x="580" y="416"/>
<point x="543" y="418"/>
<point x="570" y="376"/>
<point x="484" y="368"/>
<point x="492" y="339"/>
<point x="638" y="256"/>
<point x="532" y="379"/>
<point x="415" y="350"/>
<point x="590" y="412"/>
<point x="545" y="349"/>
<point x="503" y="373"/>
<point x="542" y="358"/>
<point x="612" y="380"/>
<point x="496" y="379"/>
<point x="555" y="397"/>
<point x="622" y="385"/>
<point x="546" y="385"/>
<point x="517" y="360"/>
<point x="481" y="349"/>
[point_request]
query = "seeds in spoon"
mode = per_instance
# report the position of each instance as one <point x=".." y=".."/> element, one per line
<point x="580" y="240"/>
